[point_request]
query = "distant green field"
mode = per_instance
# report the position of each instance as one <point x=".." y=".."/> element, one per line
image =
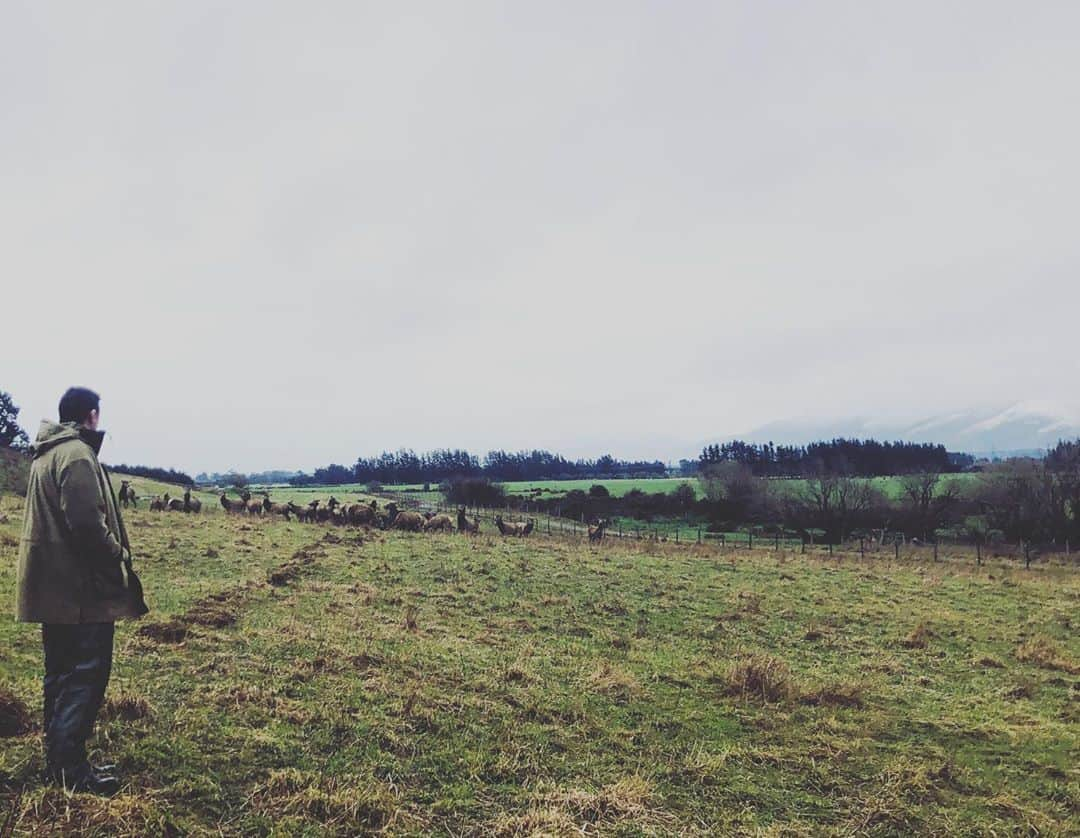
<point x="891" y="487"/>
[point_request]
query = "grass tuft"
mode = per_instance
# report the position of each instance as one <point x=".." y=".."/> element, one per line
<point x="761" y="676"/>
<point x="918" y="638"/>
<point x="1043" y="652"/>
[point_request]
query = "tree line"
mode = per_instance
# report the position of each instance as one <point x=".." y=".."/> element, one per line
<point x="165" y="475"/>
<point x="1024" y="500"/>
<point x="858" y="457"/>
<point x="441" y="465"/>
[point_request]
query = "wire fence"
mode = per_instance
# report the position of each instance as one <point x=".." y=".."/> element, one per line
<point x="885" y="545"/>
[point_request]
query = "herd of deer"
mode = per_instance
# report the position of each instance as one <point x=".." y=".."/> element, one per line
<point x="334" y="512"/>
<point x="160" y="503"/>
<point x="358" y="514"/>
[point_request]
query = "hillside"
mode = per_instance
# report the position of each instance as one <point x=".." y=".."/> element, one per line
<point x="306" y="680"/>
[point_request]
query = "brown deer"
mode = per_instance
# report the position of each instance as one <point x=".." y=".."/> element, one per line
<point x="596" y="532"/>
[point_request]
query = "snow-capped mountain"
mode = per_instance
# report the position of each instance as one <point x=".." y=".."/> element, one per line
<point x="1021" y="428"/>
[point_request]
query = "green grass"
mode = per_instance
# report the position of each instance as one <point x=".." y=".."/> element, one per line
<point x="891" y="487"/>
<point x="424" y="684"/>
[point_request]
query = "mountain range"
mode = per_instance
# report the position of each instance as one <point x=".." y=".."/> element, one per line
<point x="1020" y="429"/>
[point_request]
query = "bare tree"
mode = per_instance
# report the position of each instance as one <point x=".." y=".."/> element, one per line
<point x="928" y="499"/>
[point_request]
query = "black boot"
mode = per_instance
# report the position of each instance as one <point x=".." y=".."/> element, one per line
<point x="85" y="779"/>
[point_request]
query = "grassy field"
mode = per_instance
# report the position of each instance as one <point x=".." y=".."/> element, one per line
<point x="890" y="486"/>
<point x="294" y="679"/>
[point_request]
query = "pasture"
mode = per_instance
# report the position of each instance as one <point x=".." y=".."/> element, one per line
<point x="890" y="487"/>
<point x="316" y="680"/>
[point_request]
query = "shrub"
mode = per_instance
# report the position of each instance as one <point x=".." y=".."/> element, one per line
<point x="475" y="491"/>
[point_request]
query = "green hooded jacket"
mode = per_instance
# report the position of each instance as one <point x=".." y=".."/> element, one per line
<point x="71" y="557"/>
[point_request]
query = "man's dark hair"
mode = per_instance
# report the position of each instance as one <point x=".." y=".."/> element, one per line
<point x="76" y="404"/>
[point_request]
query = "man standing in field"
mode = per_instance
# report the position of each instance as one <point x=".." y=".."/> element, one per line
<point x="74" y="578"/>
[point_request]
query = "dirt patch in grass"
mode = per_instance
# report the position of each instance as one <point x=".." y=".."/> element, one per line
<point x="286" y="572"/>
<point x="834" y="694"/>
<point x="215" y="611"/>
<point x="1043" y="652"/>
<point x="1024" y="688"/>
<point x="167" y="631"/>
<point x="15" y="717"/>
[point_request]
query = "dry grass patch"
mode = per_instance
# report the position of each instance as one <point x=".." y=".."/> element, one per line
<point x="627" y="806"/>
<point x="127" y="707"/>
<point x="517" y="673"/>
<point x="613" y="681"/>
<point x="1043" y="652"/>
<point x="338" y="804"/>
<point x="536" y="823"/>
<point x="52" y="811"/>
<point x="262" y="699"/>
<point x="918" y="638"/>
<point x="761" y="676"/>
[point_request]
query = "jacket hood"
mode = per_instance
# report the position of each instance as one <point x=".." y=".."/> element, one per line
<point x="50" y="434"/>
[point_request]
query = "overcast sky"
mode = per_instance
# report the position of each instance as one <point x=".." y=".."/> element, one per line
<point x="279" y="235"/>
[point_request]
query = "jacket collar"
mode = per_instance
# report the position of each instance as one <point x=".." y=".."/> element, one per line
<point x="92" y="438"/>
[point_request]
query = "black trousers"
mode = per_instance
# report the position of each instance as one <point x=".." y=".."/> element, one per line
<point x="78" y="661"/>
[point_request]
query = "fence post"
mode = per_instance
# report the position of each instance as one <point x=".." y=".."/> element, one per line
<point x="830" y="547"/>
<point x="676" y="535"/>
<point x="750" y="534"/>
<point x="699" y="535"/>
<point x="862" y="548"/>
<point x="935" y="550"/>
<point x="896" y="544"/>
